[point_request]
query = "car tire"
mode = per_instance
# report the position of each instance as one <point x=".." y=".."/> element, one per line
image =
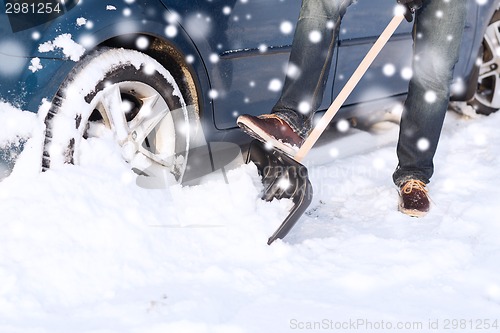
<point x="486" y="99"/>
<point x="133" y="95"/>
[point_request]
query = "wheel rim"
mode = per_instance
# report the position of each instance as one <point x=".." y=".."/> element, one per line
<point x="489" y="70"/>
<point x="143" y="127"/>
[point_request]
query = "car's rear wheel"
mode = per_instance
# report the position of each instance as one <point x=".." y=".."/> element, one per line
<point x="134" y="96"/>
<point x="486" y="99"/>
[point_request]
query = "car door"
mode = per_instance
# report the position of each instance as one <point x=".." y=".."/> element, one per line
<point x="253" y="44"/>
<point x="390" y="72"/>
<point x="244" y="45"/>
<point x="249" y="46"/>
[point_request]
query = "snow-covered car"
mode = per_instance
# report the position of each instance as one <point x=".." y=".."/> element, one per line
<point x="157" y="71"/>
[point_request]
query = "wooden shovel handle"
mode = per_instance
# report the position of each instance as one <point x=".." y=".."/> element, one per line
<point x="348" y="88"/>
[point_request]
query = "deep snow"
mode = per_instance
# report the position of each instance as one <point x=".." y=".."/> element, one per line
<point x="84" y="249"/>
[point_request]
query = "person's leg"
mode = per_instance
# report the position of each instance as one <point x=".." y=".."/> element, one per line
<point x="310" y="61"/>
<point x="437" y="35"/>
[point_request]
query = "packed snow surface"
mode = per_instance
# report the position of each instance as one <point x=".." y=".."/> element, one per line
<point x="85" y="249"/>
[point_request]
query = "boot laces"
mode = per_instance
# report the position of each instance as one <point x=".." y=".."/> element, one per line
<point x="412" y="184"/>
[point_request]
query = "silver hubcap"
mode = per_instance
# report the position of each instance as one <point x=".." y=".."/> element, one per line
<point x="143" y="126"/>
<point x="489" y="69"/>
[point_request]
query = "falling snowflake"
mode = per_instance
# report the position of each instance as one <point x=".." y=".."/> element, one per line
<point x="110" y="7"/>
<point x="172" y="17"/>
<point x="226" y="10"/>
<point x="480" y="139"/>
<point x="286" y="27"/>
<point x="214" y="58"/>
<point x="142" y="43"/>
<point x="343" y="125"/>
<point x="430" y="96"/>
<point x="304" y="107"/>
<point x="315" y="36"/>
<point x="274" y="85"/>
<point x="36" y="35"/>
<point x="399" y="10"/>
<point x="378" y="163"/>
<point x="87" y="40"/>
<point x="334" y="152"/>
<point x="458" y="86"/>
<point x="423" y="144"/>
<point x="389" y="70"/>
<point x="293" y="71"/>
<point x="284" y="183"/>
<point x="149" y="69"/>
<point x="493" y="290"/>
<point x="198" y="26"/>
<point x="189" y="58"/>
<point x="406" y="73"/>
<point x="213" y="94"/>
<point x="268" y="146"/>
<point x="171" y="31"/>
<point x="126" y="106"/>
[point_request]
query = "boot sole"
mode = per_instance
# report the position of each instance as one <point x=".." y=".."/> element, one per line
<point x="412" y="212"/>
<point x="257" y="133"/>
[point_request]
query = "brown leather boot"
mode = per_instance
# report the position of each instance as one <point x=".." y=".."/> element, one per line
<point x="414" y="200"/>
<point x="272" y="130"/>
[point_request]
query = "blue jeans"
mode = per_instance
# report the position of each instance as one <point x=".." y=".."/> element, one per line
<point x="309" y="63"/>
<point x="436" y="48"/>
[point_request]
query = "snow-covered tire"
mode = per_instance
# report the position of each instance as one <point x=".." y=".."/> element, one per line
<point x="486" y="99"/>
<point x="133" y="95"/>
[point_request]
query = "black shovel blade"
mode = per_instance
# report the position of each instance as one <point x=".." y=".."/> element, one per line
<point x="283" y="177"/>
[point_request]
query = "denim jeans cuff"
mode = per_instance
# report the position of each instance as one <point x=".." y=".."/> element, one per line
<point x="296" y="123"/>
<point x="400" y="180"/>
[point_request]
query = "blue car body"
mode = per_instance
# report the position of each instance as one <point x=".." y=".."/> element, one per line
<point x="237" y="49"/>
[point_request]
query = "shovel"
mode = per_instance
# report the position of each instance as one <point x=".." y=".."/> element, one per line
<point x="285" y="177"/>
